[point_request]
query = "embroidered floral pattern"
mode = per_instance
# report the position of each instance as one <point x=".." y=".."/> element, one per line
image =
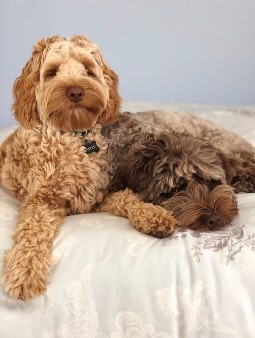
<point x="188" y="311"/>
<point x="232" y="241"/>
<point x="129" y="325"/>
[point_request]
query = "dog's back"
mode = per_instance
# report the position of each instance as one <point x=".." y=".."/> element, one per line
<point x="190" y="124"/>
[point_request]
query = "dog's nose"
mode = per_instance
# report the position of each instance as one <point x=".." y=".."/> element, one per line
<point x="75" y="94"/>
<point x="212" y="221"/>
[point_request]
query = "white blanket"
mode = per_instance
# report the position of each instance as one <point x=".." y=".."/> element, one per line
<point x="111" y="281"/>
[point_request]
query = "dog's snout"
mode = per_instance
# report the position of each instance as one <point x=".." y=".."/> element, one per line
<point x="213" y="221"/>
<point x="75" y="94"/>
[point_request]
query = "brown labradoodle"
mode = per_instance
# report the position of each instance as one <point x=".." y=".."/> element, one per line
<point x="184" y="163"/>
<point x="56" y="161"/>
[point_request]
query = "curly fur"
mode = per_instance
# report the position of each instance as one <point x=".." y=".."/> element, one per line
<point x="64" y="87"/>
<point x="184" y="163"/>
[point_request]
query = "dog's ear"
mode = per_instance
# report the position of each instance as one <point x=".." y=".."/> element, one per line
<point x="112" y="111"/>
<point x="24" y="104"/>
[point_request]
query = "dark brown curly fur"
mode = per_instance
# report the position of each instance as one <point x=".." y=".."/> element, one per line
<point x="187" y="174"/>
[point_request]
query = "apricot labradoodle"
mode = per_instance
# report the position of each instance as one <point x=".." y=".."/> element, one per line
<point x="56" y="161"/>
<point x="184" y="163"/>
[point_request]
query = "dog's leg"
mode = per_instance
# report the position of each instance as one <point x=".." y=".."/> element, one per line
<point x="27" y="264"/>
<point x="244" y="179"/>
<point x="200" y="208"/>
<point x="146" y="217"/>
<point x="240" y="170"/>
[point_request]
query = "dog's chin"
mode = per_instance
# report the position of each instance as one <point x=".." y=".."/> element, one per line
<point x="76" y="118"/>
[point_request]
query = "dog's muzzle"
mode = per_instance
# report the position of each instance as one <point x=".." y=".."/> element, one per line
<point x="75" y="94"/>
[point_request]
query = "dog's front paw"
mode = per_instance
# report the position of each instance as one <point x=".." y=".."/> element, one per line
<point x="25" y="273"/>
<point x="153" y="220"/>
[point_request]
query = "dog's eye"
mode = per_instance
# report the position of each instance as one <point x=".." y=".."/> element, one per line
<point x="182" y="184"/>
<point x="166" y="195"/>
<point x="50" y="73"/>
<point x="91" y="74"/>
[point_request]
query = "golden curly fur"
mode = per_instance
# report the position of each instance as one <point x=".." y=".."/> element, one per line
<point x="66" y="86"/>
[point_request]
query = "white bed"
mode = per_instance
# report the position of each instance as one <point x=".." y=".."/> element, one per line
<point x="111" y="281"/>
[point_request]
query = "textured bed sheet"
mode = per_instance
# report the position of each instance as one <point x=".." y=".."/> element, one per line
<point x="111" y="281"/>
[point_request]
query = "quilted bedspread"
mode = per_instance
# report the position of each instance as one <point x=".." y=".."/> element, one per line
<point x="111" y="281"/>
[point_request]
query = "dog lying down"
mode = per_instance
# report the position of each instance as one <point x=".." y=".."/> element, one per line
<point x="56" y="162"/>
<point x="184" y="163"/>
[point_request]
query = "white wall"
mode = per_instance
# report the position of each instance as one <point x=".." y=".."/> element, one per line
<point x="196" y="51"/>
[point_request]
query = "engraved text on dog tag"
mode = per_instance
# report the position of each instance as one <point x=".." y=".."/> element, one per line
<point x="91" y="147"/>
